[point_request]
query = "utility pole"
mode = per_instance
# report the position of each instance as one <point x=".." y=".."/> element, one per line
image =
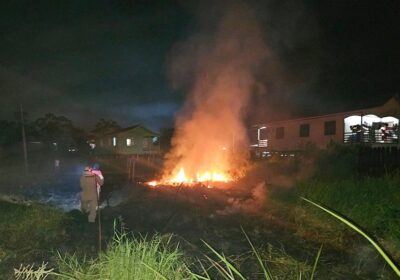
<point x="24" y="140"/>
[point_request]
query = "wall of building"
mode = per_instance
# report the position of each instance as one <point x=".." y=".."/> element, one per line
<point x="141" y="142"/>
<point x="292" y="140"/>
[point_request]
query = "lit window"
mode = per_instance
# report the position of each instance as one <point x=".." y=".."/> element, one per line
<point x="262" y="133"/>
<point x="114" y="141"/>
<point x="130" y="142"/>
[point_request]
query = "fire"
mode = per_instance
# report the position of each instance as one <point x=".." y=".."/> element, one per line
<point x="210" y="142"/>
<point x="180" y="177"/>
<point x="201" y="177"/>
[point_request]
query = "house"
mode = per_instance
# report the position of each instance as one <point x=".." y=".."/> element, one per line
<point x="133" y="140"/>
<point x="374" y="126"/>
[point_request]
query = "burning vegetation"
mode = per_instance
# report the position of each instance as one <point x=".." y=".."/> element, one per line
<point x="210" y="142"/>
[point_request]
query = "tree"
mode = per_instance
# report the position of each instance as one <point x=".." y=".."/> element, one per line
<point x="104" y="126"/>
<point x="58" y="129"/>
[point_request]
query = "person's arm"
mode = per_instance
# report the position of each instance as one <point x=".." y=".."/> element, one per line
<point x="99" y="180"/>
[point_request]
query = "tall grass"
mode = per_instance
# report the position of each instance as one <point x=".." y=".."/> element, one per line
<point x="372" y="202"/>
<point x="357" y="229"/>
<point x="271" y="265"/>
<point x="125" y="258"/>
<point x="156" y="258"/>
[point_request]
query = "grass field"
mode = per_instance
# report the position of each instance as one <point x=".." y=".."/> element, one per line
<point x="286" y="232"/>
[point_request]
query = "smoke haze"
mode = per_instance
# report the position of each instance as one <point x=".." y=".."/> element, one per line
<point x="218" y="70"/>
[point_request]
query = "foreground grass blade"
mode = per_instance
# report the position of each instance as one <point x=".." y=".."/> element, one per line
<point x="225" y="261"/>
<point x="267" y="273"/>
<point x="204" y="269"/>
<point x="315" y="263"/>
<point x="359" y="231"/>
<point x="155" y="271"/>
<point x="220" y="269"/>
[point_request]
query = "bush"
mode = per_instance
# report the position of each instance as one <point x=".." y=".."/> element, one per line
<point x="336" y="162"/>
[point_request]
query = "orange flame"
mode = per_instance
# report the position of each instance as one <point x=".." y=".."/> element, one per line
<point x="201" y="177"/>
<point x="210" y="138"/>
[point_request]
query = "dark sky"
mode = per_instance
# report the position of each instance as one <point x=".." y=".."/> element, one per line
<point x="88" y="59"/>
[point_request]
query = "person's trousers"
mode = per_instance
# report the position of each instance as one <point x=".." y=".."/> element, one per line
<point x="89" y="206"/>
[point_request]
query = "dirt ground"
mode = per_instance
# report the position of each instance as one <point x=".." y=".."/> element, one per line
<point x="219" y="216"/>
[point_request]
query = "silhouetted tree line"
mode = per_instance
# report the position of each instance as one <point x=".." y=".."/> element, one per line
<point x="52" y="131"/>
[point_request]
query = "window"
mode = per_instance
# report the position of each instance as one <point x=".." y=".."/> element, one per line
<point x="262" y="133"/>
<point x="304" y="130"/>
<point x="114" y="141"/>
<point x="130" y="142"/>
<point x="330" y="128"/>
<point x="145" y="143"/>
<point x="280" y="132"/>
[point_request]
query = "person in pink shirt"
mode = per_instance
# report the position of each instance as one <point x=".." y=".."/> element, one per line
<point x="96" y="170"/>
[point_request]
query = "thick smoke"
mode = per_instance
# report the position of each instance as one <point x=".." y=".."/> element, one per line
<point x="219" y="71"/>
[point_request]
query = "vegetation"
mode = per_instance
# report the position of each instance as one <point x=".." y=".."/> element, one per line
<point x="135" y="258"/>
<point x="57" y="129"/>
<point x="49" y="129"/>
<point x="27" y="233"/>
<point x="156" y="258"/>
<point x="357" y="229"/>
<point x="371" y="202"/>
<point x="104" y="126"/>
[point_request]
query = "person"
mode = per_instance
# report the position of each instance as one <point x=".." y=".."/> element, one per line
<point x="96" y="170"/>
<point x="384" y="132"/>
<point x="89" y="195"/>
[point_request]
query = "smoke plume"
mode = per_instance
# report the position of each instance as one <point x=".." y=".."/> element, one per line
<point x="218" y="70"/>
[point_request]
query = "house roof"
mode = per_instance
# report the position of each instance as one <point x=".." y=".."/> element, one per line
<point x="131" y="128"/>
<point x="390" y="107"/>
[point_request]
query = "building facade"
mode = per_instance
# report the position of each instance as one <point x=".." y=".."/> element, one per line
<point x="372" y="126"/>
<point x="134" y="140"/>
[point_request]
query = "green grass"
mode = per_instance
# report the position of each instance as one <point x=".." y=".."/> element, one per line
<point x="373" y="203"/>
<point x="27" y="233"/>
<point x="357" y="229"/>
<point x="125" y="258"/>
<point x="157" y="258"/>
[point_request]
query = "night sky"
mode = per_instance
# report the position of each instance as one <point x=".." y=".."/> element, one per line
<point x="92" y="59"/>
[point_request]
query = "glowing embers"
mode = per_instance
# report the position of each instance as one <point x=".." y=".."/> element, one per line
<point x="204" y="179"/>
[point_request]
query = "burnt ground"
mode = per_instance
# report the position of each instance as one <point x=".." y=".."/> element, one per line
<point x="262" y="204"/>
<point x="218" y="216"/>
